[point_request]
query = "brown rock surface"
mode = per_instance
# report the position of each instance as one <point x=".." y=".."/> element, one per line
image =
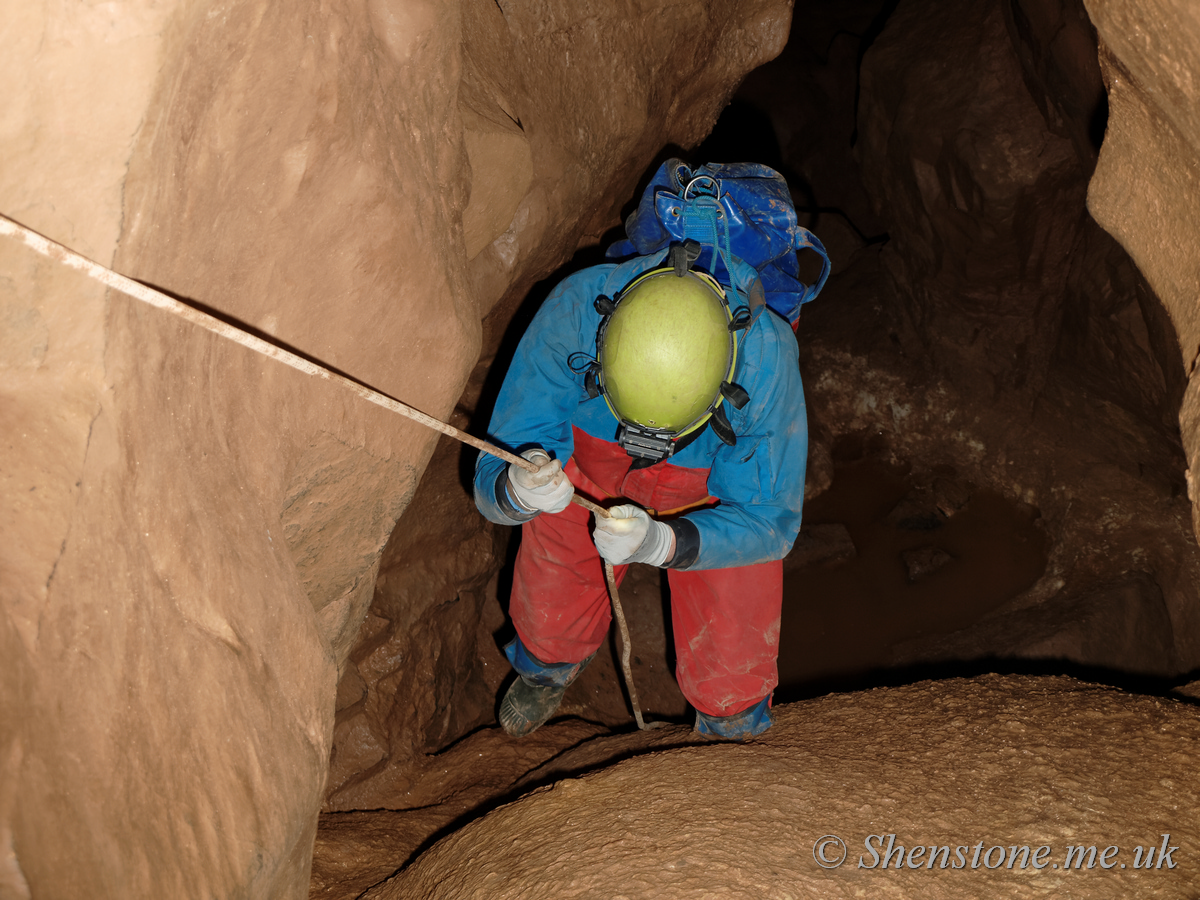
<point x="1102" y="483"/>
<point x="190" y="536"/>
<point x="983" y="202"/>
<point x="190" y="533"/>
<point x="1055" y="42"/>
<point x="358" y="849"/>
<point x="1003" y="761"/>
<point x="1147" y="183"/>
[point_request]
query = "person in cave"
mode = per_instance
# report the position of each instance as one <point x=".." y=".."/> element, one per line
<point x="670" y="388"/>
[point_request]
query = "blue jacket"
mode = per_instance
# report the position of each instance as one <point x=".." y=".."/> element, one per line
<point x="759" y="481"/>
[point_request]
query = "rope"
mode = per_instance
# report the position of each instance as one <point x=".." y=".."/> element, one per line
<point x="129" y="287"/>
<point x="139" y="291"/>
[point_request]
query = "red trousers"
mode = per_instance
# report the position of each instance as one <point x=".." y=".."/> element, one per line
<point x="725" y="621"/>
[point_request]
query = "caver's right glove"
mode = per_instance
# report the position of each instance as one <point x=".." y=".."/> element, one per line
<point x="546" y="490"/>
<point x="629" y="535"/>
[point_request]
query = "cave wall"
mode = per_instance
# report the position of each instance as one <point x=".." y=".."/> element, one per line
<point x="979" y="157"/>
<point x="983" y="202"/>
<point x="1147" y="181"/>
<point x="190" y="532"/>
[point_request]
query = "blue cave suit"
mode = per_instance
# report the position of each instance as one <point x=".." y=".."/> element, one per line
<point x="736" y="508"/>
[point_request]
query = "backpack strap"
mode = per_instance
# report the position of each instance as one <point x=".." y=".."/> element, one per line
<point x="806" y="240"/>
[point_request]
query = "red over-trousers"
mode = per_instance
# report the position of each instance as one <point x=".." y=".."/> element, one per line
<point x="725" y="621"/>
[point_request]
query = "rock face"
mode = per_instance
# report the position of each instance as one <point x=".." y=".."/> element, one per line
<point x="190" y="533"/>
<point x="1147" y="181"/>
<point x="988" y="766"/>
<point x="983" y="202"/>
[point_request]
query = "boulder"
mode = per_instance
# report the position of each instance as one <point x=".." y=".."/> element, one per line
<point x="1037" y="787"/>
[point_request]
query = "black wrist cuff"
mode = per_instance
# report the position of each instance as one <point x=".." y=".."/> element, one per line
<point x="687" y="544"/>
<point x="507" y="506"/>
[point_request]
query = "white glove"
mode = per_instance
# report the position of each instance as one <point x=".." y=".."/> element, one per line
<point x="546" y="490"/>
<point x="632" y="536"/>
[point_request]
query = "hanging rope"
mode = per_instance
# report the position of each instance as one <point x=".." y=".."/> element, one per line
<point x="129" y="287"/>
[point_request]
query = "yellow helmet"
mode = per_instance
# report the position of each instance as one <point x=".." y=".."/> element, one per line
<point x="666" y="349"/>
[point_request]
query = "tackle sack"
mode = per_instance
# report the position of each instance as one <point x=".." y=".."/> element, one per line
<point x="743" y="209"/>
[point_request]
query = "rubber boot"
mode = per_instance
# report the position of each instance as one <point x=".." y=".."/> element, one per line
<point x="535" y="696"/>
<point x="526" y="707"/>
<point x="741" y="726"/>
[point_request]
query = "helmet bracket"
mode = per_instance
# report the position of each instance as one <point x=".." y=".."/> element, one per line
<point x="735" y="394"/>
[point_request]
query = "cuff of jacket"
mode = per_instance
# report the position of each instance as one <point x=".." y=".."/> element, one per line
<point x="687" y="544"/>
<point x="506" y="504"/>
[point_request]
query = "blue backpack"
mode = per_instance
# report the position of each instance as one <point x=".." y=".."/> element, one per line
<point x="738" y="209"/>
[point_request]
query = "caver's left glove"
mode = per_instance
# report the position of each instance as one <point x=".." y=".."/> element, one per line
<point x="631" y="536"/>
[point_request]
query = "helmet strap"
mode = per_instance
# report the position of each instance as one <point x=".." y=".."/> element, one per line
<point x="721" y="427"/>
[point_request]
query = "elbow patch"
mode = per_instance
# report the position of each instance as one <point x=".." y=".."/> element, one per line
<point x="687" y="544"/>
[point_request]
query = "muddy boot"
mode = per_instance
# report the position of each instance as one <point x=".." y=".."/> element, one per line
<point x="740" y="726"/>
<point x="526" y="707"/>
<point x="534" y="697"/>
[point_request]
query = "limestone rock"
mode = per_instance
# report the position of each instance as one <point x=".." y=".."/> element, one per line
<point x="1123" y="627"/>
<point x="1094" y="474"/>
<point x="982" y="200"/>
<point x="987" y="763"/>
<point x="924" y="561"/>
<point x="1146" y="187"/>
<point x="1056" y="45"/>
